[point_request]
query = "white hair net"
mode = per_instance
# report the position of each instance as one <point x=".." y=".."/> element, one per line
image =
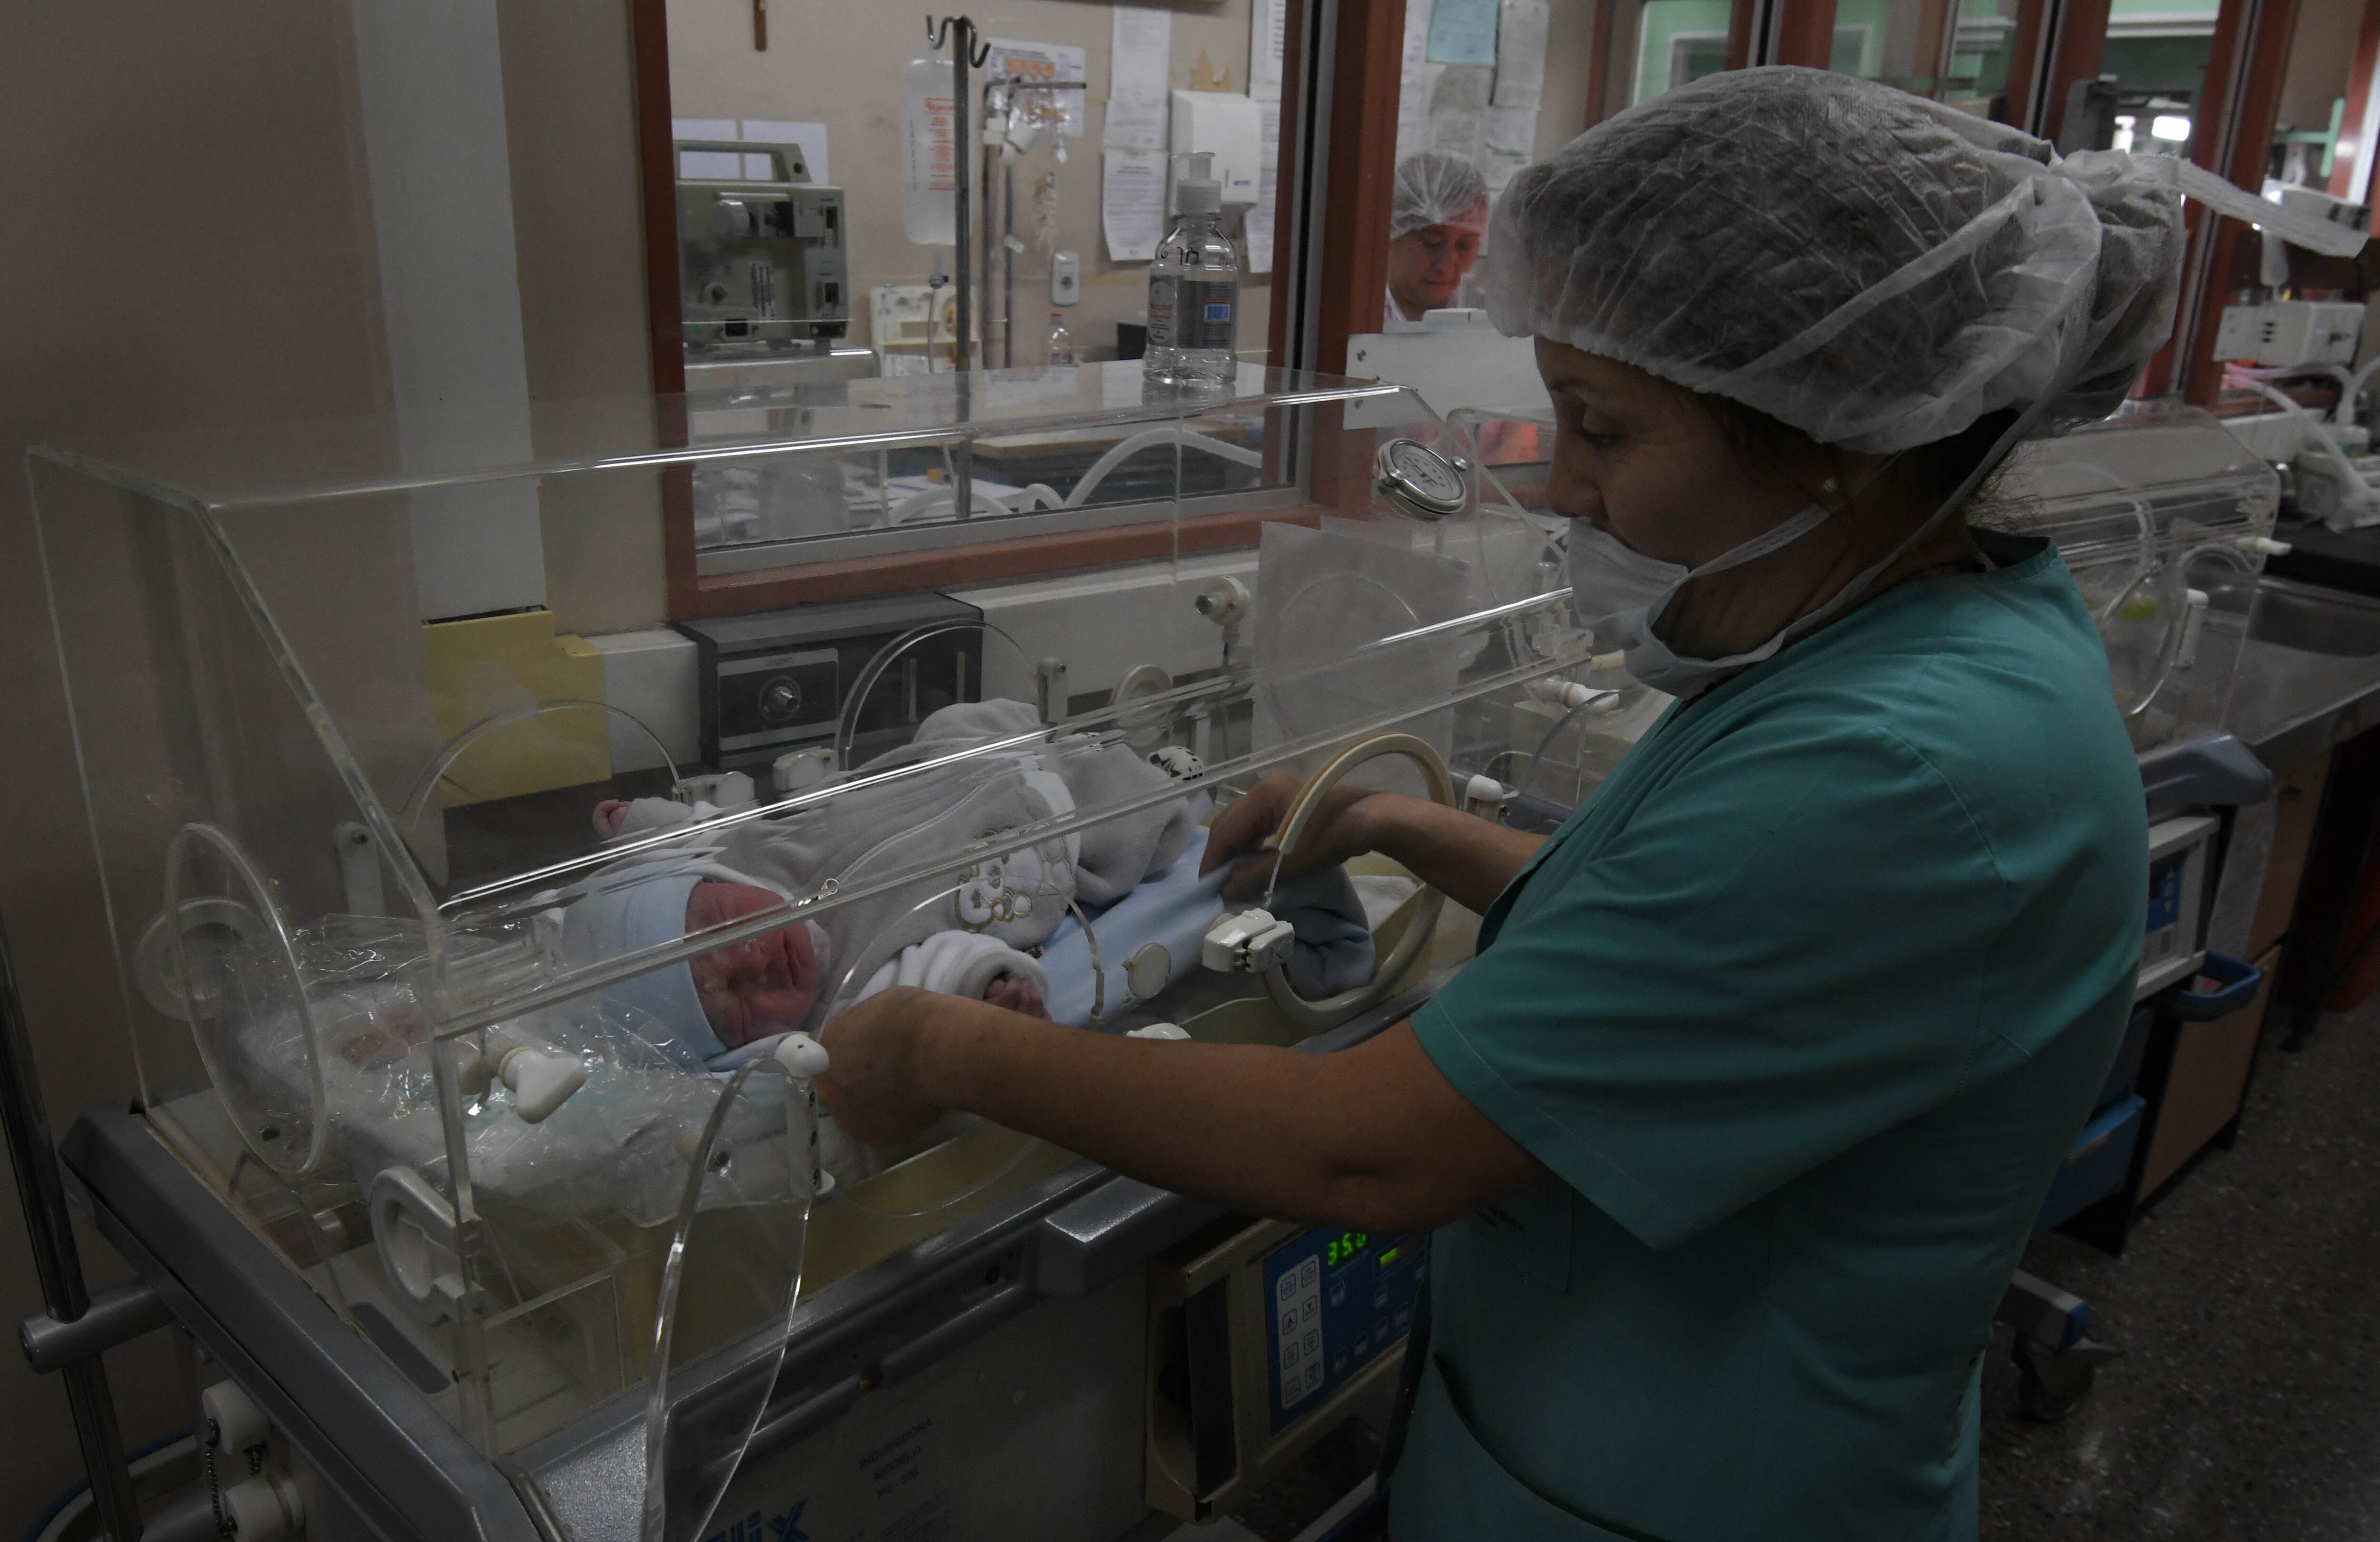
<point x="1872" y="268"/>
<point x="1436" y="188"/>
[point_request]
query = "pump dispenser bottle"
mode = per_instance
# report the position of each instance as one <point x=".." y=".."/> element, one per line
<point x="1194" y="289"/>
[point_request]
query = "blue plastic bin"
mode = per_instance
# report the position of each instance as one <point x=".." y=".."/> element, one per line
<point x="2098" y="1166"/>
<point x="2222" y="986"/>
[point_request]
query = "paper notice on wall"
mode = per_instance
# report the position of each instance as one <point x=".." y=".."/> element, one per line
<point x="1132" y="203"/>
<point x="1462" y="31"/>
<point x="1521" y="52"/>
<point x="1140" y="52"/>
<point x="1043" y="61"/>
<point x="1413" y="110"/>
<point x="1267" y="45"/>
<point x="1416" y="53"/>
<point x="811" y="137"/>
<point x="1417" y="78"/>
<point x="1258" y="228"/>
<point x="1136" y="125"/>
<point x="1508" y="142"/>
<point x="1455" y="134"/>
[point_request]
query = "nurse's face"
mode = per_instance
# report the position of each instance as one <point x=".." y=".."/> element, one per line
<point x="1426" y="266"/>
<point x="1641" y="459"/>
<point x="1635" y="457"/>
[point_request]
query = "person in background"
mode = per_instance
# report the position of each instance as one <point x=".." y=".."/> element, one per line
<point x="1436" y="222"/>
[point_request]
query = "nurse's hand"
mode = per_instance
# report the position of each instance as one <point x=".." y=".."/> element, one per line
<point x="1339" y="830"/>
<point x="1466" y="858"/>
<point x="872" y="1082"/>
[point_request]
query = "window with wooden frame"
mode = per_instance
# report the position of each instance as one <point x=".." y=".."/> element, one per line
<point x="891" y="517"/>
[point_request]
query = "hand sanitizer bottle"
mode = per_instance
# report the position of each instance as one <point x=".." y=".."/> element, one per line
<point x="1194" y="289"/>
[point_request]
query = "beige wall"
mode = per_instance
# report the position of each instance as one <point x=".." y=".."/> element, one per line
<point x="1570" y="56"/>
<point x="189" y="246"/>
<point x="839" y="64"/>
<point x="578" y="229"/>
<point x="2320" y="57"/>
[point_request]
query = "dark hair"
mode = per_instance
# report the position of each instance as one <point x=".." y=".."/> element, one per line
<point x="1764" y="447"/>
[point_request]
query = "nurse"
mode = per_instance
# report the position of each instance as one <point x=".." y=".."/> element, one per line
<point x="1437" y="214"/>
<point x="1735" y="1128"/>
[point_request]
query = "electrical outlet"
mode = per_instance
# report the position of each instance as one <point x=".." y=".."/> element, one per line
<point x="1066" y="277"/>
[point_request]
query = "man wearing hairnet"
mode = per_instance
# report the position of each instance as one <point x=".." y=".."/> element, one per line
<point x="1438" y="213"/>
<point x="1734" y="1129"/>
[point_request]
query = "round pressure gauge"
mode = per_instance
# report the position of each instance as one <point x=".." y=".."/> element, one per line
<point x="1420" y="480"/>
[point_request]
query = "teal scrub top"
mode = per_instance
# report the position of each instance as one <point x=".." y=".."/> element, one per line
<point x="1801" y="1010"/>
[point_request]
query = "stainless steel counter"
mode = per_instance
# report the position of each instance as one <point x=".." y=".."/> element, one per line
<point x="2309" y="673"/>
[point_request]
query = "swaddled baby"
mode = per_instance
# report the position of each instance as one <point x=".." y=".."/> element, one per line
<point x="718" y="1001"/>
<point x="966" y="931"/>
<point x="977" y="925"/>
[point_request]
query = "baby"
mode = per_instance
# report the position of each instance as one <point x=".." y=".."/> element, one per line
<point x="764" y="985"/>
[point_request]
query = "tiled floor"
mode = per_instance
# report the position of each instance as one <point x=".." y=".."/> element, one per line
<point x="2248" y="1404"/>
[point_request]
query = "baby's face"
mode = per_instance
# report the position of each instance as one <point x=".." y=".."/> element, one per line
<point x="757" y="987"/>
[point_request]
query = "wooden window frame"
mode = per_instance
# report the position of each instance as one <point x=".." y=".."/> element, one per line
<point x="2234" y="140"/>
<point x="1330" y="245"/>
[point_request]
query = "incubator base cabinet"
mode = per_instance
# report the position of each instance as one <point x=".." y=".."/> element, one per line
<point x="470" y="1126"/>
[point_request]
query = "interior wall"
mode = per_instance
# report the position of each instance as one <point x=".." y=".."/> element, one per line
<point x="839" y="64"/>
<point x="1569" y="71"/>
<point x="241" y="284"/>
<point x="244" y="289"/>
<point x="570" y="113"/>
<point x="2320" y="57"/>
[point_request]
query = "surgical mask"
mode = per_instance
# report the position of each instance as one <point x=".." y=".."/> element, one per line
<point x="1618" y="593"/>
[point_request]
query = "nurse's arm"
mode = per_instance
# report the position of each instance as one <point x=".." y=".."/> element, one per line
<point x="1373" y="1136"/>
<point x="1467" y="858"/>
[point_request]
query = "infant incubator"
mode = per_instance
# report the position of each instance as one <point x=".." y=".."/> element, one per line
<point x="493" y="1021"/>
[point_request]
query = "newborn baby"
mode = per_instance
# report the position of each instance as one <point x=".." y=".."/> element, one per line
<point x="746" y="991"/>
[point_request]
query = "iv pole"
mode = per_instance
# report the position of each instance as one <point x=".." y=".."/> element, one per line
<point x="969" y="53"/>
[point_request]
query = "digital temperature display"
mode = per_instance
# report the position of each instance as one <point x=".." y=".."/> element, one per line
<point x="1344" y="1246"/>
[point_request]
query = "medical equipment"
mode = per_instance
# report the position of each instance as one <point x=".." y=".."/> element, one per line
<point x="2291" y="332"/>
<point x="445" y="1189"/>
<point x="760" y="261"/>
<point x="2166" y="520"/>
<point x="777" y="681"/>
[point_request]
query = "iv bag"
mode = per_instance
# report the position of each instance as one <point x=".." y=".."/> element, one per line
<point x="930" y="146"/>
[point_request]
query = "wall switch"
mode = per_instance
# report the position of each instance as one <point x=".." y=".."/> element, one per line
<point x="1066" y="277"/>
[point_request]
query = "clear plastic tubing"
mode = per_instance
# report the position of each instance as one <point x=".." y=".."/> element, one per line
<point x="1194" y="289"/>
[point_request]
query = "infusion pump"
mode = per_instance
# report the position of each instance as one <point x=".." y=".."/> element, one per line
<point x="759" y="262"/>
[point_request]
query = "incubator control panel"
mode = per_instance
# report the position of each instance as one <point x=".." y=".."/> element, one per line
<point x="781" y="681"/>
<point x="1339" y="1300"/>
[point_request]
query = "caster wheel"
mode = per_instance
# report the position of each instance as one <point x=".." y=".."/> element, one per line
<point x="2043" y="1403"/>
<point x="2052" y="1383"/>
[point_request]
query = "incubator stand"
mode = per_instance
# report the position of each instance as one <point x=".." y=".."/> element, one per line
<point x="406" y="949"/>
<point x="2164" y="519"/>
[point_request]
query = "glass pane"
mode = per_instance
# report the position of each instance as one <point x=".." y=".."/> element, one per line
<point x="817" y="174"/>
<point x="1676" y="42"/>
<point x="1982" y="51"/>
<point x="732" y="1276"/>
<point x="2157" y="54"/>
<point x="1906" y="44"/>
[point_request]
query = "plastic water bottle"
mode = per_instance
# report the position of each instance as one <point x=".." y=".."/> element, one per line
<point x="1062" y="342"/>
<point x="1194" y="289"/>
